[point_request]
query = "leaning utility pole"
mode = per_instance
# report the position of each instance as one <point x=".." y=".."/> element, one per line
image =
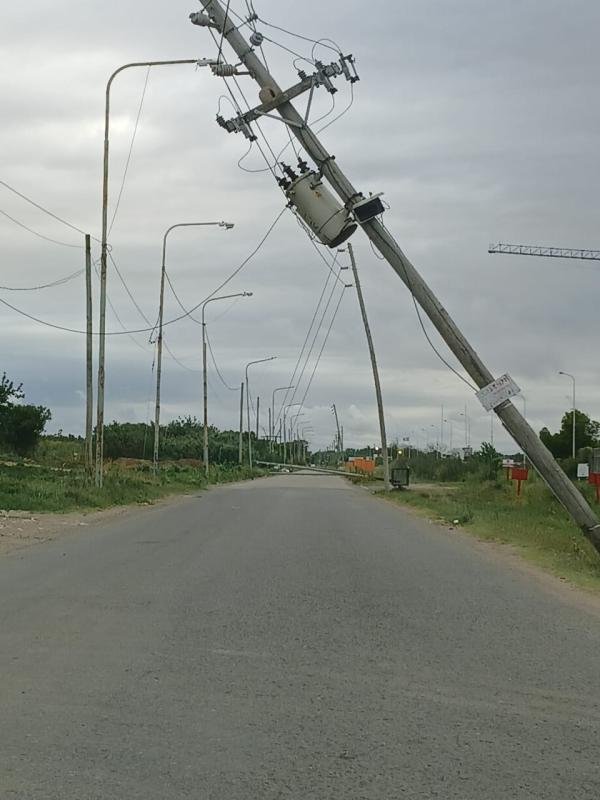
<point x="279" y="101"/>
<point x="339" y="435"/>
<point x="363" y="311"/>
<point x="89" y="381"/>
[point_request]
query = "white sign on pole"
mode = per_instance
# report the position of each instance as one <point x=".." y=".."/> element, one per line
<point x="583" y="470"/>
<point x="497" y="392"/>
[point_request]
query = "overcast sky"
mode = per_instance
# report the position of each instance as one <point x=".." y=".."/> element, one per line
<point x="478" y="120"/>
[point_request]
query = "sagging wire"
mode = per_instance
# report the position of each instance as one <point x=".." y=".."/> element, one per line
<point x="422" y="324"/>
<point x="40" y="235"/>
<point x="217" y="370"/>
<point x="45" y="210"/>
<point x="59" y="282"/>
<point x="296" y="383"/>
<point x="183" y="316"/>
<point x="312" y="345"/>
<point x="129" y="154"/>
<point x="341" y="297"/>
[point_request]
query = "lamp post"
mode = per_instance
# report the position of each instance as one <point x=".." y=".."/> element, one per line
<point x="159" y="341"/>
<point x="568" y="374"/>
<point x="296" y="424"/>
<point x="304" y="441"/>
<point x="449" y="422"/>
<point x="279" y="389"/>
<point x="103" y="255"/>
<point x="249" y="364"/>
<point x="285" y="408"/>
<point x="204" y="370"/>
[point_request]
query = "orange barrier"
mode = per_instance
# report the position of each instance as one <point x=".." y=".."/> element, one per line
<point x="364" y="465"/>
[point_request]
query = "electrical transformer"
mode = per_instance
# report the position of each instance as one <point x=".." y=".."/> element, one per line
<point x="319" y="209"/>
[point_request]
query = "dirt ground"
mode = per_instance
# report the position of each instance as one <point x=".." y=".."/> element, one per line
<point x="20" y="529"/>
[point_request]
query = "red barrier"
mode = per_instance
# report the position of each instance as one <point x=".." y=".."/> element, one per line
<point x="519" y="474"/>
<point x="594" y="480"/>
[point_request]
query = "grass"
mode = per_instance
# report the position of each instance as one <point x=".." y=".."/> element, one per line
<point x="36" y="488"/>
<point x="535" y="523"/>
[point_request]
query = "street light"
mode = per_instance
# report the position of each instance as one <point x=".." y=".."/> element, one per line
<point x="285" y="408"/>
<point x="449" y="422"/>
<point x="103" y="254"/>
<point x="568" y="374"/>
<point x="204" y="371"/>
<point x="159" y="345"/>
<point x="249" y="364"/>
<point x="279" y="389"/>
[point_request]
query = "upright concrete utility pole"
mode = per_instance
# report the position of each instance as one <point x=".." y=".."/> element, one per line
<point x="278" y="389"/>
<point x="257" y="416"/>
<point x="89" y="382"/>
<point x="241" y="444"/>
<point x="103" y="261"/>
<point x="511" y="418"/>
<point x="378" y="395"/>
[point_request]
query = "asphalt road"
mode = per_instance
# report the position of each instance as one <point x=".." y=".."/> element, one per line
<point x="290" y="638"/>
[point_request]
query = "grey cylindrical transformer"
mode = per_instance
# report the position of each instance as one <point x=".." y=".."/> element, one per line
<point x="317" y="206"/>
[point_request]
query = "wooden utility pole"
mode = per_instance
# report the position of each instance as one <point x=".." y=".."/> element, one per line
<point x="89" y="384"/>
<point x="241" y="444"/>
<point x="382" y="239"/>
<point x="378" y="395"/>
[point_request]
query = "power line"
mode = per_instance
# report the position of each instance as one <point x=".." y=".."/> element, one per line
<point x="217" y="370"/>
<point x="336" y="49"/>
<point x="127" y="289"/>
<point x="422" y="324"/>
<point x="58" y="282"/>
<point x="185" y="315"/>
<point x="312" y="345"/>
<point x="223" y="31"/>
<point x="40" y="235"/>
<point x="45" y="210"/>
<point x="321" y="351"/>
<point x="293" y="383"/>
<point x="128" y="161"/>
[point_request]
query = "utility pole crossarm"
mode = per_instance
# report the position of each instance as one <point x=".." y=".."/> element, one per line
<point x="544" y="252"/>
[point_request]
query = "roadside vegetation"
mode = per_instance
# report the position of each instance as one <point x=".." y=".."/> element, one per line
<point x="28" y="486"/>
<point x="46" y="473"/>
<point x="477" y="496"/>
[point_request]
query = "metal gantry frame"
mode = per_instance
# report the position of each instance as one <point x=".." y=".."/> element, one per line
<point x="544" y="252"/>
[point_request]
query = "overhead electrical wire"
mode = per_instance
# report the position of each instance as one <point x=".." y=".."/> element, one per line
<point x="59" y="282"/>
<point x="298" y="381"/>
<point x="217" y="370"/>
<point x="293" y="383"/>
<point x="341" y="297"/>
<point x="422" y="324"/>
<point x="185" y="315"/>
<point x="128" y="161"/>
<point x="40" y="235"/>
<point x="45" y="210"/>
<point x="223" y="30"/>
